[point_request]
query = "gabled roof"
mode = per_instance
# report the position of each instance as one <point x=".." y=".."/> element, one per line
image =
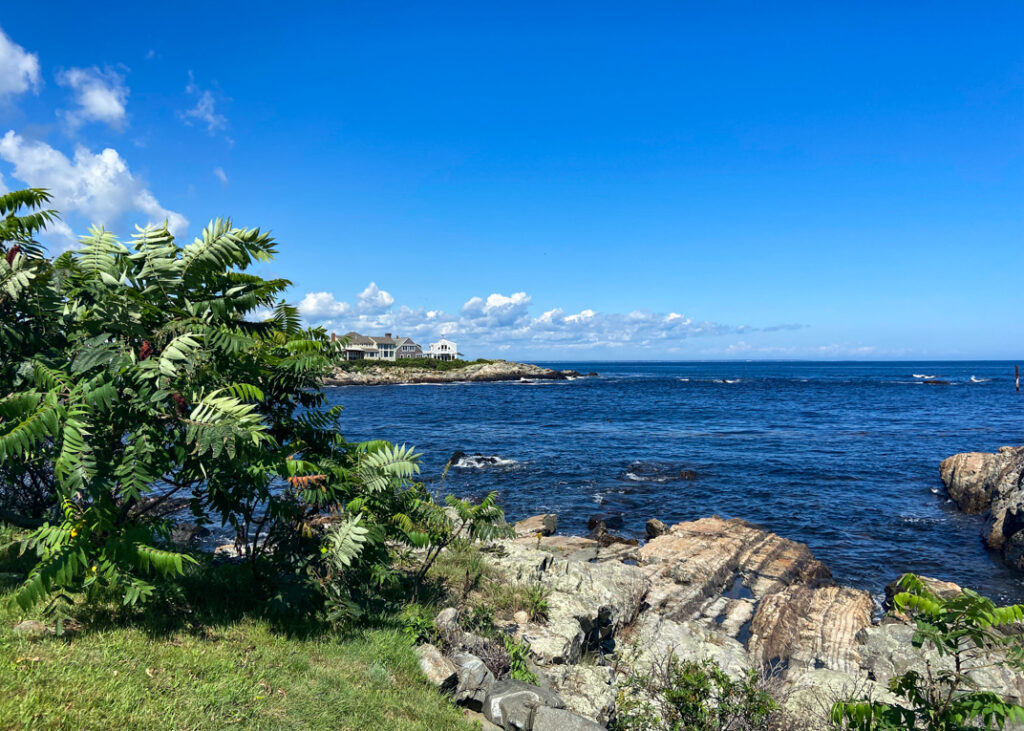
<point x="355" y="339"/>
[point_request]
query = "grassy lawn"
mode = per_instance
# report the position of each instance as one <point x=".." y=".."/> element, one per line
<point x="209" y="663"/>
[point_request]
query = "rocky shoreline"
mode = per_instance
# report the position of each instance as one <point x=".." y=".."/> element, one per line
<point x="711" y="588"/>
<point x="499" y="370"/>
<point x="993" y="485"/>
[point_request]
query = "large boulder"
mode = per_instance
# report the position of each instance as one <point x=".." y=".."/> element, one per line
<point x="512" y="704"/>
<point x="440" y="671"/>
<point x="475" y="680"/>
<point x="544" y="525"/>
<point x="886" y="651"/>
<point x="559" y="719"/>
<point x="981" y="482"/>
<point x="588" y="690"/>
<point x="654" y="638"/>
<point x="587" y="602"/>
<point x="713" y="567"/>
<point x="805" y="627"/>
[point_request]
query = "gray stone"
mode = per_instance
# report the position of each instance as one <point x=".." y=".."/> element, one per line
<point x="439" y="670"/>
<point x="479" y="720"/>
<point x="32" y="628"/>
<point x="447" y="619"/>
<point x="588" y="690"/>
<point x="512" y="704"/>
<point x="653" y="638"/>
<point x="558" y="719"/>
<point x="587" y="602"/>
<point x="475" y="681"/>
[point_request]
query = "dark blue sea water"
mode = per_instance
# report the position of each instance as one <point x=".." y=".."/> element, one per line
<point x="841" y="456"/>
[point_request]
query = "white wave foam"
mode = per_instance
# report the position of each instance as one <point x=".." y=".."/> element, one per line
<point x="975" y="379"/>
<point x="734" y="380"/>
<point x="683" y="380"/>
<point x="921" y="375"/>
<point x="481" y="461"/>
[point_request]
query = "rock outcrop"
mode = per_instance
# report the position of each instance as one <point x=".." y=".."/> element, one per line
<point x="714" y="589"/>
<point x="982" y="482"/>
<point x="498" y="370"/>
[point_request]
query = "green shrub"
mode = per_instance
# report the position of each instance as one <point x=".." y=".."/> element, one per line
<point x="974" y="633"/>
<point x="695" y="696"/>
<point x="518" y="659"/>
<point x="136" y="375"/>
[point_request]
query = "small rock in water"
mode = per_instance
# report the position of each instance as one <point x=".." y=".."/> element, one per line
<point x="611" y="522"/>
<point x="655" y="528"/>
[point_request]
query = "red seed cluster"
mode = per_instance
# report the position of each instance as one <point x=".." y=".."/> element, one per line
<point x="146" y="350"/>
<point x="179" y="402"/>
<point x="13" y="253"/>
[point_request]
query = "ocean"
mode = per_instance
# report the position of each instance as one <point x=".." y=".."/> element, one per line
<point x="841" y="456"/>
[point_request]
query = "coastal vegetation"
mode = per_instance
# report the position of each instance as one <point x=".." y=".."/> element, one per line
<point x="147" y="383"/>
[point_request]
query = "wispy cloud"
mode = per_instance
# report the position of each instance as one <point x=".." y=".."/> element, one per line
<point x="205" y="109"/>
<point x="101" y="96"/>
<point x="222" y="176"/>
<point x="19" y="69"/>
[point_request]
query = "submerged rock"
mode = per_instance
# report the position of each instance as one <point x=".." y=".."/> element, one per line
<point x="982" y="482"/>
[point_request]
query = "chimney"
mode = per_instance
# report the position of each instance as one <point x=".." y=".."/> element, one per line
<point x="387" y="335"/>
<point x="334" y="336"/>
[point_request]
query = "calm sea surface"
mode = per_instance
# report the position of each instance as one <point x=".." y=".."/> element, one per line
<point x="841" y="456"/>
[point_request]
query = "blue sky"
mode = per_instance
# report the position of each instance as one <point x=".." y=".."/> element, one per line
<point x="593" y="180"/>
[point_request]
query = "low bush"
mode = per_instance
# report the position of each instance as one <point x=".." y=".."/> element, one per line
<point x="686" y="695"/>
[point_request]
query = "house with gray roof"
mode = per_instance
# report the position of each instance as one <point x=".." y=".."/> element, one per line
<point x="369" y="347"/>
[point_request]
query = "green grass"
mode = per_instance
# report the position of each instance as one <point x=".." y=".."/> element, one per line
<point x="425" y="364"/>
<point x="210" y="662"/>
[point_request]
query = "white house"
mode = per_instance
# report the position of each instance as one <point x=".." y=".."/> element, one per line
<point x="443" y="349"/>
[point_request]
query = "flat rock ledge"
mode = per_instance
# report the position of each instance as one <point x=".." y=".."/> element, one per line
<point x="499" y="370"/>
<point x="708" y="589"/>
<point x="993" y="485"/>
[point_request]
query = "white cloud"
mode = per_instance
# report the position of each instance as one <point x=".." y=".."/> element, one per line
<point x="374" y="300"/>
<point x="99" y="187"/>
<point x="205" y="110"/>
<point x="101" y="96"/>
<point x="19" y="69"/>
<point x="220" y="175"/>
<point x="499" y="322"/>
<point x="320" y="306"/>
<point x="497" y="308"/>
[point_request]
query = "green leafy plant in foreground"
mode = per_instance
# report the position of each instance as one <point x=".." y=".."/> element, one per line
<point x="164" y="372"/>
<point x="973" y="634"/>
